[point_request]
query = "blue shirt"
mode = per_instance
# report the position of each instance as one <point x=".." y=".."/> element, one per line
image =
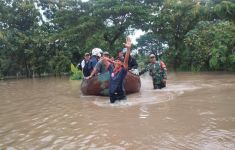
<point x="93" y="61"/>
<point x="116" y="83"/>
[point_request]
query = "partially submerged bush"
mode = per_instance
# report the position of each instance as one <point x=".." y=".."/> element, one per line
<point x="76" y="74"/>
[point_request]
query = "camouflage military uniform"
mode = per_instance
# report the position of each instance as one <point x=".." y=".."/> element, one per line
<point x="158" y="72"/>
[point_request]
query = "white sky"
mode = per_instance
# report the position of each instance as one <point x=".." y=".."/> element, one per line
<point x="136" y="34"/>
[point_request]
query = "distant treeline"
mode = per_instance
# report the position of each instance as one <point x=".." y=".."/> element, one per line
<point x="38" y="37"/>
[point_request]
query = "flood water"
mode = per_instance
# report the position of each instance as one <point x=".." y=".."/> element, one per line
<point x="194" y="111"/>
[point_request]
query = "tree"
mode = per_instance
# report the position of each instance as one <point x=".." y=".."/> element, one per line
<point x="172" y="21"/>
<point x="18" y="23"/>
<point x="151" y="44"/>
<point x="45" y="36"/>
<point x="117" y="17"/>
<point x="212" y="45"/>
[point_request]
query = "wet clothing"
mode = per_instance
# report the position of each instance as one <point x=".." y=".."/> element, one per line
<point x="116" y="84"/>
<point x="158" y="72"/>
<point x="86" y="67"/>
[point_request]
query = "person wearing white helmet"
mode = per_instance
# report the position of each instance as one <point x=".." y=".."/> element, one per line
<point x="100" y="66"/>
<point x="96" y="54"/>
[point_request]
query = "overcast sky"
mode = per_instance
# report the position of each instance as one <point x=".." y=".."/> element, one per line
<point x="137" y="34"/>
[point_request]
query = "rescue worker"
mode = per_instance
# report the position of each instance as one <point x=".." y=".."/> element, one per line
<point x="158" y="72"/>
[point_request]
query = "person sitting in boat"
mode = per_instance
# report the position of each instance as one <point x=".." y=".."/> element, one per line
<point x="86" y="65"/>
<point x="158" y="72"/>
<point x="96" y="54"/>
<point x="118" y="71"/>
<point x="132" y="64"/>
<point x="100" y="66"/>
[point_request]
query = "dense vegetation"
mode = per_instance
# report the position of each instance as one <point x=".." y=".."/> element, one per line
<point x="38" y="37"/>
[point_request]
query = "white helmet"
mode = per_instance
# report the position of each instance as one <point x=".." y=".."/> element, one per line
<point x="96" y="51"/>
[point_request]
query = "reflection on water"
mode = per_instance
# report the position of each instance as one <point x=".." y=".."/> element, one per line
<point x="195" y="111"/>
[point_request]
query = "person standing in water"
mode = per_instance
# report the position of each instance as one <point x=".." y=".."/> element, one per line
<point x="158" y="72"/>
<point x="118" y="71"/>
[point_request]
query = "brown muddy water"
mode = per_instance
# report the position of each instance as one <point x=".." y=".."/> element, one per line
<point x="194" y="111"/>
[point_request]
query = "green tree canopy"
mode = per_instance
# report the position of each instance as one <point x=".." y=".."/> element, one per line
<point x="44" y="36"/>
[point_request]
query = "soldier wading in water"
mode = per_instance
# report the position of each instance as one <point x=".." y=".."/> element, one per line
<point x="158" y="72"/>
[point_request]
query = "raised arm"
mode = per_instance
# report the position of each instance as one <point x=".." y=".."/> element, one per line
<point x="128" y="46"/>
